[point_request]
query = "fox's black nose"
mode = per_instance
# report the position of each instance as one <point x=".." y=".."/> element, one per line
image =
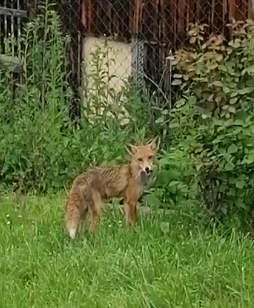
<point x="147" y="170"/>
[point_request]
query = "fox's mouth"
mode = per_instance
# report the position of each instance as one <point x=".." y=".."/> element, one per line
<point x="148" y="171"/>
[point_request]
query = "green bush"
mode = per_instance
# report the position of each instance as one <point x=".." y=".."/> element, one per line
<point x="213" y="121"/>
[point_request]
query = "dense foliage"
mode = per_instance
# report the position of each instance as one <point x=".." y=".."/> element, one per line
<point x="212" y="122"/>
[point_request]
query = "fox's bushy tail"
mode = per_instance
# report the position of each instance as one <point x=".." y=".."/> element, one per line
<point x="74" y="211"/>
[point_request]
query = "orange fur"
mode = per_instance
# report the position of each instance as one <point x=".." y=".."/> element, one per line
<point x="101" y="183"/>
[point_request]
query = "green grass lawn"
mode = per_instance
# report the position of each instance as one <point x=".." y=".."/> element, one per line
<point x="141" y="267"/>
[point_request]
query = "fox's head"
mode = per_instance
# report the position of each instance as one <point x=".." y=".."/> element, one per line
<point x="143" y="156"/>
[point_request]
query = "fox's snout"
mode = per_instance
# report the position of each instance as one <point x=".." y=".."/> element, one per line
<point x="148" y="170"/>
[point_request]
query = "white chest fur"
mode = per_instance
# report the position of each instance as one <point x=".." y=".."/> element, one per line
<point x="143" y="179"/>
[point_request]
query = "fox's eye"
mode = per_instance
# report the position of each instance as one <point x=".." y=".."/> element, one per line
<point x="150" y="157"/>
<point x="140" y="159"/>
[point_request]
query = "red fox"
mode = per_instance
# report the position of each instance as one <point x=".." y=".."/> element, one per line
<point x="101" y="183"/>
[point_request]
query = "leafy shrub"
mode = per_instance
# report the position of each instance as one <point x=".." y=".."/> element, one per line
<point x="213" y="120"/>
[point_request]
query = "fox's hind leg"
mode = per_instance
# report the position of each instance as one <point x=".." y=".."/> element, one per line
<point x="83" y="216"/>
<point x="95" y="210"/>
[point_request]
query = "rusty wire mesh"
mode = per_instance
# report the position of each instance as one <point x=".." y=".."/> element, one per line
<point x="149" y="31"/>
<point x="140" y="35"/>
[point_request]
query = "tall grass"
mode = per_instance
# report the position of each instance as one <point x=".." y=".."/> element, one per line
<point x="146" y="266"/>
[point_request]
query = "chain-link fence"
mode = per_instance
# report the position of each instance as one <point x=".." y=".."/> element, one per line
<point x="140" y="35"/>
<point x="145" y="33"/>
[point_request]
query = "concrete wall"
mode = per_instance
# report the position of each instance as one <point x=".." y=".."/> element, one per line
<point x="120" y="68"/>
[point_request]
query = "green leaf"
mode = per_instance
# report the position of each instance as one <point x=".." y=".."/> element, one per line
<point x="66" y="142"/>
<point x="240" y="204"/>
<point x="231" y="109"/>
<point x="239" y="122"/>
<point x="176" y="82"/>
<point x="245" y="90"/>
<point x="232" y="148"/>
<point x="232" y="101"/>
<point x="180" y="103"/>
<point x="177" y="76"/>
<point x="160" y="120"/>
<point x="217" y="83"/>
<point x="229" y="166"/>
<point x="234" y="94"/>
<point x="240" y="184"/>
<point x="165" y="112"/>
<point x="151" y="199"/>
<point x="227" y="156"/>
<point x="249" y="70"/>
<point x="226" y="90"/>
<point x="192" y="100"/>
<point x="248" y="160"/>
<point x="173" y="183"/>
<point x="165" y="227"/>
<point x="173" y="125"/>
<point x="218" y="139"/>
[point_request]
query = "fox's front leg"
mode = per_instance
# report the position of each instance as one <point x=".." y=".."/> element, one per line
<point x="130" y="205"/>
<point x="130" y="208"/>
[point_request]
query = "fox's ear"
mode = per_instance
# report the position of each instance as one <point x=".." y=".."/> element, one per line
<point x="131" y="149"/>
<point x="155" y="143"/>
